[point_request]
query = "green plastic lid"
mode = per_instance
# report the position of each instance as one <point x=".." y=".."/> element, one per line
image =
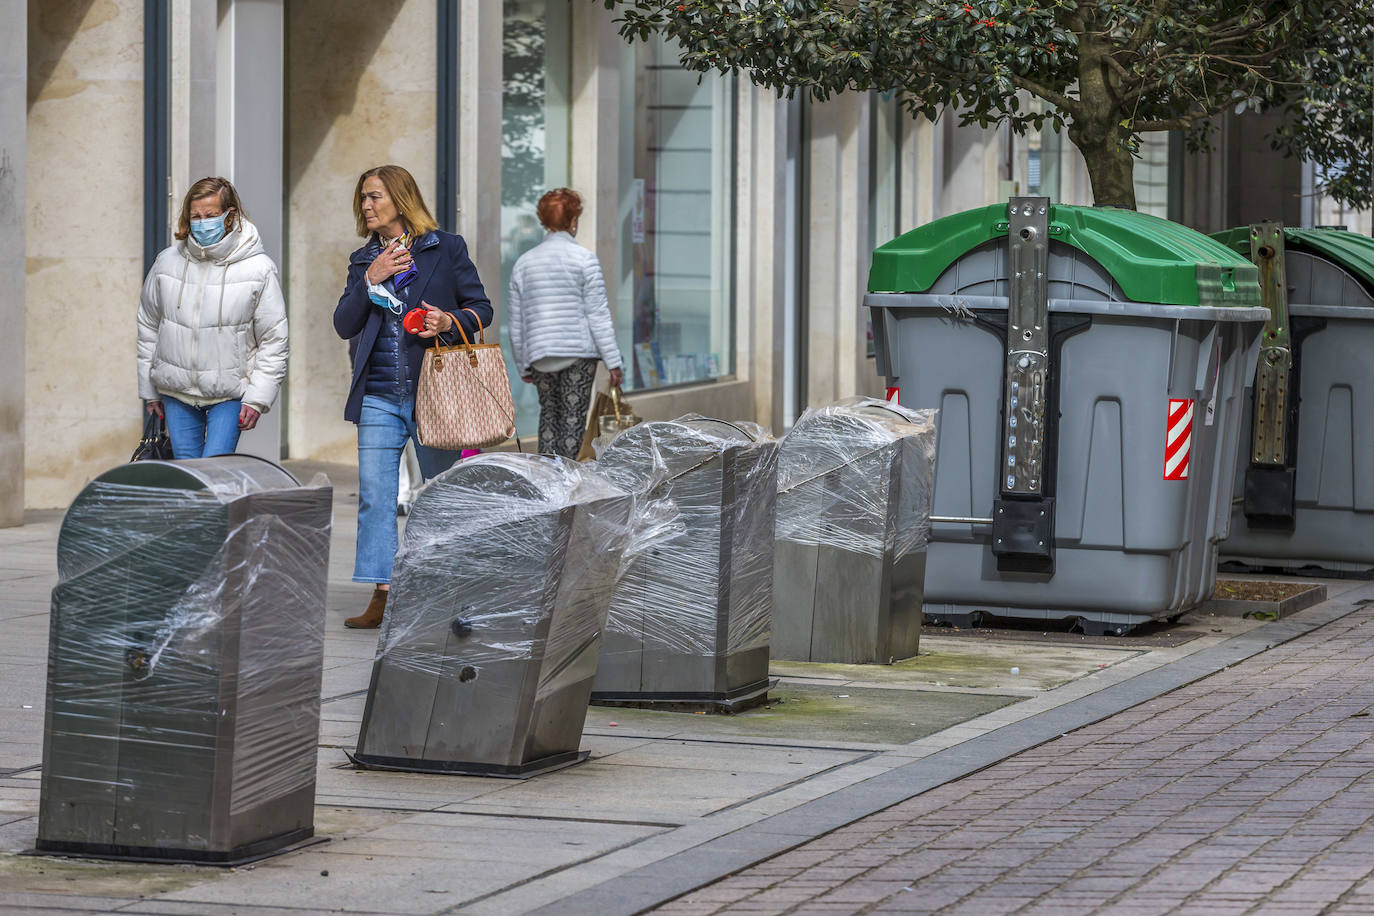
<point x="1151" y="259"/>
<point x="1350" y="250"/>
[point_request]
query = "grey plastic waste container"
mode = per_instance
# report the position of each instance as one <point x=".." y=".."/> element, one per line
<point x="185" y="653"/>
<point x="498" y="601"/>
<point x="1304" y="493"/>
<point x="1089" y="366"/>
<point x="690" y="621"/>
<point x="853" y="519"/>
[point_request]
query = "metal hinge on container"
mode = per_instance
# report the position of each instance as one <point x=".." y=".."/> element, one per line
<point x="1268" y="498"/>
<point x="1023" y="516"/>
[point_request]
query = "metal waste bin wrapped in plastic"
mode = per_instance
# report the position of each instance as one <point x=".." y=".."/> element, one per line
<point x="690" y="620"/>
<point x="184" y="663"/>
<point x="1089" y="365"/>
<point x="1304" y="494"/>
<point x="498" y="602"/>
<point x="853" y="520"/>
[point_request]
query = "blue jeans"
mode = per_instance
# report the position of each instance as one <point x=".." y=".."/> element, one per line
<point x="201" y="432"/>
<point x="383" y="428"/>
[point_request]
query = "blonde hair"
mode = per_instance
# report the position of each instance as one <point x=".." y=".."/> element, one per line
<point x="404" y="193"/>
<point x="211" y="187"/>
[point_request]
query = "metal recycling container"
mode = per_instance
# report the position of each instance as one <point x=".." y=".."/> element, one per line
<point x="1089" y="365"/>
<point x="184" y="663"/>
<point x="1304" y="495"/>
<point x="492" y="629"/>
<point x="689" y="623"/>
<point x="853" y="520"/>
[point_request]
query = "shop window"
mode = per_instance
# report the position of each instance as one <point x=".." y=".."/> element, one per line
<point x="535" y="53"/>
<point x="675" y="299"/>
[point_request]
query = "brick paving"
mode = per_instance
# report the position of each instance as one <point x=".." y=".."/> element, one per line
<point x="1250" y="791"/>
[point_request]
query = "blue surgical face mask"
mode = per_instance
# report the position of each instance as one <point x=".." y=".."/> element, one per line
<point x="207" y="232"/>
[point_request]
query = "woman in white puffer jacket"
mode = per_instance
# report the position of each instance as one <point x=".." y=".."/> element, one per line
<point x="212" y="342"/>
<point x="560" y="323"/>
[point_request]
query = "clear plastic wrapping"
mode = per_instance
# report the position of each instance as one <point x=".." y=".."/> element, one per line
<point x="858" y="475"/>
<point x="704" y="592"/>
<point x="185" y="656"/>
<point x="853" y="521"/>
<point x="498" y="601"/>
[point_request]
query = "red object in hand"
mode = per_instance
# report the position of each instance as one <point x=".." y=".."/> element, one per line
<point x="414" y="321"/>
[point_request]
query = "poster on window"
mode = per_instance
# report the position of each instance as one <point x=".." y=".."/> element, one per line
<point x="637" y="218"/>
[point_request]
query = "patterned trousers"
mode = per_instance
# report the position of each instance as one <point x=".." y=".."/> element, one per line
<point x="564" y="397"/>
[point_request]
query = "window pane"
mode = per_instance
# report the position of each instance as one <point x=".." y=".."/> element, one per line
<point x="675" y="305"/>
<point x="534" y="145"/>
<point x="1152" y="175"/>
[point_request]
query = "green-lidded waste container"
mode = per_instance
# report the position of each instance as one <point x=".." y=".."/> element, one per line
<point x="853" y="519"/>
<point x="1089" y="366"/>
<point x="494" y="622"/>
<point x="1304" y="493"/>
<point x="185" y="654"/>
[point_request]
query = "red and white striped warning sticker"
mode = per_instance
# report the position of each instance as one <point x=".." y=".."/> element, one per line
<point x="1178" y="441"/>
<point x="894" y="395"/>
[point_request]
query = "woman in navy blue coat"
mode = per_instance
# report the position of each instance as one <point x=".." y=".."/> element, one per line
<point x="407" y="263"/>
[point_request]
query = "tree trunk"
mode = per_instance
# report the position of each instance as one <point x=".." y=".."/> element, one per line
<point x="1111" y="166"/>
<point x="1096" y="128"/>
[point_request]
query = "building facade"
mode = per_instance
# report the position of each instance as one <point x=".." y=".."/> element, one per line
<point x="734" y="228"/>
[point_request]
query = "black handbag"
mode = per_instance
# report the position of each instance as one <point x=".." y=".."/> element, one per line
<point x="155" y="444"/>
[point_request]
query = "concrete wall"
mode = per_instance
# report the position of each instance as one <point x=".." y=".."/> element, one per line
<point x="13" y="155"/>
<point x="1230" y="185"/>
<point x="361" y="78"/>
<point x="84" y="241"/>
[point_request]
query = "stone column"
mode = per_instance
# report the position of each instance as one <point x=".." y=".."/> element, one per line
<point x="479" y="151"/>
<point x="13" y="153"/>
<point x="192" y="123"/>
<point x="761" y="238"/>
<point x="595" y="166"/>
<point x="250" y="135"/>
<point x="837" y="364"/>
<point x="361" y="92"/>
<point x="84" y="180"/>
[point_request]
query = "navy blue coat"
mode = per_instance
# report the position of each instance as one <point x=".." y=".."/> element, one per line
<point x="447" y="279"/>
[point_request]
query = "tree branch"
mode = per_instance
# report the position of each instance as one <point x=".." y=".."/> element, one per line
<point x="1180" y="123"/>
<point x="1057" y="99"/>
<point x="1147" y="25"/>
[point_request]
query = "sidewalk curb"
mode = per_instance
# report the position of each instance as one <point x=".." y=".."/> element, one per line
<point x="681" y="873"/>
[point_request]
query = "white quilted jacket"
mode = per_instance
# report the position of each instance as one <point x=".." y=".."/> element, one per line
<point x="212" y="323"/>
<point x="557" y="305"/>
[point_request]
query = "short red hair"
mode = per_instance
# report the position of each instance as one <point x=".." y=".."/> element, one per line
<point x="559" y="209"/>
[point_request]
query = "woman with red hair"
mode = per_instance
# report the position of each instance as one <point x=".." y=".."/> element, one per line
<point x="560" y="324"/>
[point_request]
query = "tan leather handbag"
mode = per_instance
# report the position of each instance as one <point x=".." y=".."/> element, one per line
<point x="463" y="399"/>
<point x="611" y="415"/>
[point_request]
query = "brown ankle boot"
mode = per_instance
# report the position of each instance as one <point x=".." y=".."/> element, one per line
<point x="371" y="618"/>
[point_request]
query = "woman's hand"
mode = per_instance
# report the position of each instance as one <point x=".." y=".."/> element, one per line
<point x="248" y="417"/>
<point x="155" y="407"/>
<point x="617" y="377"/>
<point x="393" y="260"/>
<point x="437" y="321"/>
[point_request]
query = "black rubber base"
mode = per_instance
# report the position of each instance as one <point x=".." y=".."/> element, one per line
<point x="240" y="855"/>
<point x="737" y="700"/>
<point x="970" y="621"/>
<point x="461" y="768"/>
<point x="974" y="620"/>
<point x="1300" y="572"/>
